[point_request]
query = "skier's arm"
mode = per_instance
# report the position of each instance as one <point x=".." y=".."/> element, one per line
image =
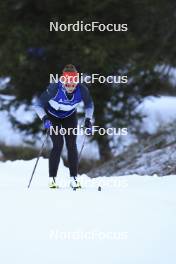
<point x="88" y="102"/>
<point x="42" y="101"/>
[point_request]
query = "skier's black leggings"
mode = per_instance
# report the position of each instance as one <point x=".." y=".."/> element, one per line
<point x="58" y="141"/>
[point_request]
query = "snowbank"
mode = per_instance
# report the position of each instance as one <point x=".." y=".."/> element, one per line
<point x="158" y="111"/>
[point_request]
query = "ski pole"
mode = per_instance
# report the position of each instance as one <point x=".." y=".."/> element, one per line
<point x="79" y="157"/>
<point x="40" y="152"/>
<point x="83" y="144"/>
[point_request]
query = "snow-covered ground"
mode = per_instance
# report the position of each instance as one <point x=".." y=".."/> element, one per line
<point x="132" y="220"/>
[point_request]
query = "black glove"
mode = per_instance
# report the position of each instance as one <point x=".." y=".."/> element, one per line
<point x="87" y="123"/>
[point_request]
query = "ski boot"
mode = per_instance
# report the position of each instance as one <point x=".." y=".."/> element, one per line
<point x="52" y="183"/>
<point x="74" y="184"/>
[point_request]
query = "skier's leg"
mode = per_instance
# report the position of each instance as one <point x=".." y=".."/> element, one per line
<point x="71" y="122"/>
<point x="72" y="154"/>
<point x="55" y="153"/>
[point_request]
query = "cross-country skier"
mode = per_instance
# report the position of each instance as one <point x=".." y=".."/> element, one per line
<point x="57" y="107"/>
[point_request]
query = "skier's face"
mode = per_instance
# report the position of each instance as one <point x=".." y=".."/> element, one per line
<point x="70" y="87"/>
<point x="70" y="81"/>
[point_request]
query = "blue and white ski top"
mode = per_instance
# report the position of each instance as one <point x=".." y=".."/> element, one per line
<point x="58" y="103"/>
